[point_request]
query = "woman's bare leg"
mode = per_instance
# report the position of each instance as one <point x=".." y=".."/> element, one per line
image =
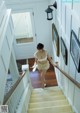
<point x="42" y="74"/>
<point x="41" y="77"/>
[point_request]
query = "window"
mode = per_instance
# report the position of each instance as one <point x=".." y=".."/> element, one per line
<point x="23" y="27"/>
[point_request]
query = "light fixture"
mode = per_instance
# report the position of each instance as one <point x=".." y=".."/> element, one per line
<point x="50" y="10"/>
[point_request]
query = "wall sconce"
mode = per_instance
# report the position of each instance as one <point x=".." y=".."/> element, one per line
<point x="50" y="10"/>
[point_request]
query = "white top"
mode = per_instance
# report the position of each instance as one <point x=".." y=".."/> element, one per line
<point x="41" y="55"/>
<point x="43" y="59"/>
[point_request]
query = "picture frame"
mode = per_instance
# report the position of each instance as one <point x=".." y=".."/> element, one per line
<point x="79" y="34"/>
<point x="64" y="51"/>
<point x="75" y="50"/>
<point x="55" y="39"/>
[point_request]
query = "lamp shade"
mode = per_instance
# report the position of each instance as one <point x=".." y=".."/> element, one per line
<point x="49" y="13"/>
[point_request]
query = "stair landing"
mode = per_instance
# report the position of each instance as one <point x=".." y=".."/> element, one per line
<point x="36" y="79"/>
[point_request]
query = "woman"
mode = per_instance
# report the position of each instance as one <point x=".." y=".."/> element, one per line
<point x="42" y="60"/>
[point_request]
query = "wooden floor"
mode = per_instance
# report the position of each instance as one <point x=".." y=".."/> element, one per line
<point x="36" y="79"/>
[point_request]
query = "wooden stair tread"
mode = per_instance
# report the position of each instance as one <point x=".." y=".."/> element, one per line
<point x="49" y="100"/>
<point x="46" y="99"/>
<point x="56" y="109"/>
<point x="49" y="96"/>
<point x="48" y="103"/>
<point x="55" y="88"/>
<point x="34" y="95"/>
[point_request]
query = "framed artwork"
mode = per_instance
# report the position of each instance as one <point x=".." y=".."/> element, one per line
<point x="79" y="34"/>
<point x="64" y="51"/>
<point x="75" y="50"/>
<point x="55" y="39"/>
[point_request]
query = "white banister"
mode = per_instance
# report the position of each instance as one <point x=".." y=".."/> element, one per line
<point x="19" y="99"/>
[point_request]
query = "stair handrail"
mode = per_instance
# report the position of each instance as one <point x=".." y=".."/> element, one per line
<point x="68" y="76"/>
<point x="7" y="96"/>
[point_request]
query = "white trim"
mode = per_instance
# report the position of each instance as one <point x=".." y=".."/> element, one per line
<point x="27" y="92"/>
<point x="75" y="109"/>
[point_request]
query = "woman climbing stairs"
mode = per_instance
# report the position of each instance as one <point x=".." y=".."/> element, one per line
<point x="49" y="100"/>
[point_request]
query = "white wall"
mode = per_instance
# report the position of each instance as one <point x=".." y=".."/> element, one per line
<point x="67" y="18"/>
<point x="6" y="45"/>
<point x="42" y="27"/>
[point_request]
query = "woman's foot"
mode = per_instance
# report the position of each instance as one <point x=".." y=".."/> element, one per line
<point x="45" y="85"/>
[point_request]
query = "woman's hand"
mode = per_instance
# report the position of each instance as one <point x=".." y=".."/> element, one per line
<point x="34" y="67"/>
<point x="56" y="64"/>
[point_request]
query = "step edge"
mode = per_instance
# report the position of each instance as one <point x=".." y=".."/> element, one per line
<point x="54" y="107"/>
<point x="51" y="101"/>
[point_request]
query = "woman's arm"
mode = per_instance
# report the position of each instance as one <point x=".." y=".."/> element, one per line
<point x="34" y="65"/>
<point x="35" y="60"/>
<point x="51" y="61"/>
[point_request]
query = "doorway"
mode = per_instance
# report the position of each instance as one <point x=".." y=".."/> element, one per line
<point x="24" y="30"/>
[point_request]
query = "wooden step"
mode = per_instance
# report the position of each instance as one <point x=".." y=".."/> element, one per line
<point x="48" y="104"/>
<point x="43" y="99"/>
<point x="68" y="112"/>
<point x="55" y="109"/>
<point x="50" y="89"/>
<point x="46" y="93"/>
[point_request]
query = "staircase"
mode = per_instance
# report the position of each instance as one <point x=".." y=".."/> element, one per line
<point x="49" y="100"/>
